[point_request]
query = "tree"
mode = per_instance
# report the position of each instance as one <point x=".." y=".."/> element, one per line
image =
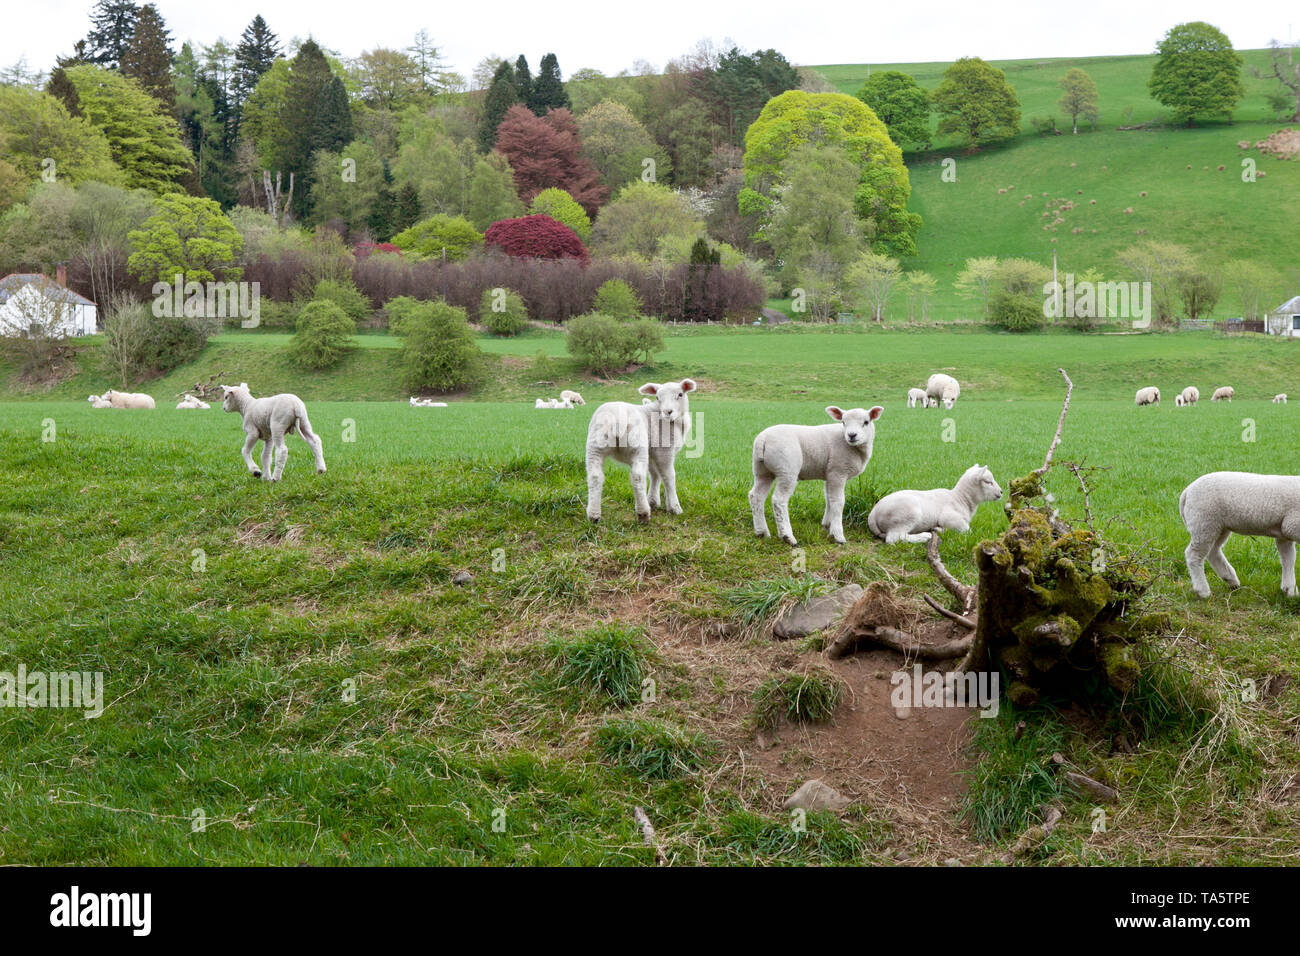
<point x="346" y="185"/>
<point x="36" y="128"/>
<point x="188" y="236"/>
<point x="1079" y="97"/>
<point x="546" y="151"/>
<point x="901" y="104"/>
<point x="1199" y="290"/>
<point x="547" y="91"/>
<point x="502" y="312"/>
<point x="323" y="335"/>
<point x="976" y="102"/>
<point x="258" y="49"/>
<point x="976" y="281"/>
<point x="795" y="119"/>
<point x="872" y="279"/>
<point x="429" y="239"/>
<point x="618" y="300"/>
<point x="1161" y="264"/>
<point x="148" y="57"/>
<point x="1287" y="74"/>
<point x="112" y="24"/>
<point x="1197" y="72"/>
<point x="523" y="80"/>
<point x="640" y="217"/>
<point x="388" y="78"/>
<point x="561" y="207"/>
<point x="429" y="71"/>
<point x="1252" y="283"/>
<point x="315" y="116"/>
<point x="535" y="237"/>
<point x="438" y="348"/>
<point x="492" y="194"/>
<point x="1016" y="312"/>
<point x="740" y="83"/>
<point x="618" y="145"/>
<point x="100" y="222"/>
<point x="814" y="230"/>
<point x="919" y="288"/>
<point x="502" y="94"/>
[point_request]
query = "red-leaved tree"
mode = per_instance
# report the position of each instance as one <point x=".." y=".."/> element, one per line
<point x="535" y="237"/>
<point x="546" y="151"/>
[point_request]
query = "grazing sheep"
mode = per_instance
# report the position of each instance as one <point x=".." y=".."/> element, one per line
<point x="942" y="388"/>
<point x="644" y="437"/>
<point x="787" y="454"/>
<point x="1223" y="394"/>
<point x="572" y="397"/>
<point x="269" y="420"/>
<point x="128" y="399"/>
<point x="1223" y="502"/>
<point x="1191" y="395"/>
<point x="1147" y="396"/>
<point x="916" y="398"/>
<point x="1279" y="398"/>
<point x="913" y="515"/>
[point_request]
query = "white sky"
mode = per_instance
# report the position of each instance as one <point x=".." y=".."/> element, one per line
<point x="610" y="35"/>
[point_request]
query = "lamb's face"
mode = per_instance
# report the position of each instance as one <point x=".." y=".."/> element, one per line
<point x="859" y="424"/>
<point x="230" y="402"/>
<point x="986" y="489"/>
<point x="674" y="405"/>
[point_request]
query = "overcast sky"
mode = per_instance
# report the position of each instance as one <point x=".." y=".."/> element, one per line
<point x="611" y="35"/>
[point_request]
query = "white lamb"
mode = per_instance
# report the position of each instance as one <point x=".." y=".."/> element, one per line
<point x="269" y="420"/>
<point x="916" y="398"/>
<point x="787" y="454"/>
<point x="190" y="401"/>
<point x="913" y="515"/>
<point x="644" y="437"/>
<point x="1191" y="395"/>
<point x="1179" y="401"/>
<point x="1279" y="398"/>
<point x="1147" y="396"/>
<point x="99" y="401"/>
<point x="426" y="403"/>
<point x="942" y="388"/>
<point x="1223" y="502"/>
<point x="128" y="399"/>
<point x="1223" y="394"/>
<point x="572" y="397"/>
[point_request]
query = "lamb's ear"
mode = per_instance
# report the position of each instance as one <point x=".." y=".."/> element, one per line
<point x="874" y="413"/>
<point x="688" y="385"/>
<point x="835" y="412"/>
<point x="649" y="388"/>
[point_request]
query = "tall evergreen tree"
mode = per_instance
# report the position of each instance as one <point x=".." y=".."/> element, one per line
<point x="258" y="49"/>
<point x="548" y="89"/>
<point x="112" y="24"/>
<point x="406" y="209"/>
<point x="501" y="95"/>
<point x="315" y="116"/>
<point x="148" y="57"/>
<point x="523" y="80"/>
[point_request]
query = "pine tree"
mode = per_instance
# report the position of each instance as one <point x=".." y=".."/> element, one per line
<point x="501" y="95"/>
<point x="548" y="89"/>
<point x="112" y="24"/>
<point x="382" y="212"/>
<point x="258" y="49"/>
<point x="333" y="126"/>
<point x="406" y="212"/>
<point x="523" y="80"/>
<point x="148" y="58"/>
<point x="315" y="116"/>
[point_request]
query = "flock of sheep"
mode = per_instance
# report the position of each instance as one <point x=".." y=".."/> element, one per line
<point x="1150" y="395"/>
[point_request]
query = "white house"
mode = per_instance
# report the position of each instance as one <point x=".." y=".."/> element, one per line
<point x="31" y="301"/>
<point x="1285" y="319"/>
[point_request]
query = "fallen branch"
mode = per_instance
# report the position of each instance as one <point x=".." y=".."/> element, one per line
<point x="950" y="615"/>
<point x="1093" y="788"/>
<point x="648" y="834"/>
<point x="962" y="592"/>
<point x="1034" y="836"/>
<point x="900" y="641"/>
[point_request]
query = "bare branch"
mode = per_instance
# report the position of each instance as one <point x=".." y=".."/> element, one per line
<point x="1056" y="440"/>
<point x="896" y="640"/>
<point x="962" y="592"/>
<point x="950" y="615"/>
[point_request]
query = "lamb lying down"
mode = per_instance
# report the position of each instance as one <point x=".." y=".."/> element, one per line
<point x="912" y="515"/>
<point x="1216" y="505"/>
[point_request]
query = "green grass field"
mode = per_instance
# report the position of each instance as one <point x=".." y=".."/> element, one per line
<point x="293" y="662"/>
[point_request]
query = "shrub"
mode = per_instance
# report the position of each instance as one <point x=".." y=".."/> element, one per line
<point x="603" y="344"/>
<point x="400" y="310"/>
<point x="608" y="659"/>
<point x="536" y="237"/>
<point x="502" y="312"/>
<point x="427" y="239"/>
<point x="345" y="295"/>
<point x="1015" y="313"/>
<point x="645" y="337"/>
<point x="617" y="299"/>
<point x="324" y="335"/>
<point x="564" y="209"/>
<point x="438" y="352"/>
<point x="811" y="696"/>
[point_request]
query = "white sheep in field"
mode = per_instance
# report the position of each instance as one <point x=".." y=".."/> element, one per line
<point x="1191" y="395"/>
<point x="189" y="401"/>
<point x="128" y="399"/>
<point x="1223" y="394"/>
<point x="913" y="515"/>
<point x="786" y="454"/>
<point x="426" y="403"/>
<point x="916" y="398"/>
<point x="1147" y="396"/>
<point x="1179" y="401"/>
<point x="1226" y="502"/>
<point x="1279" y="398"/>
<point x="269" y="420"/>
<point x="572" y="397"/>
<point x="99" y="401"/>
<point x="644" y="437"/>
<point x="552" y="403"/>
<point x="942" y="388"/>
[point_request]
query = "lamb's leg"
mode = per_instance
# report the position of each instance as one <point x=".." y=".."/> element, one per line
<point x="1219" y="562"/>
<point x="1195" y="555"/>
<point x="595" y="483"/>
<point x="785" y="486"/>
<point x="921" y="537"/>
<point x="758" y="501"/>
<point x="640" y="473"/>
<point x="313" y="442"/>
<point x="835" y="509"/>
<point x="281" y="453"/>
<point x="266" y="460"/>
<point x="1286" y="551"/>
<point x="669" y="471"/>
<point x="250" y="442"/>
<point x="656" y="487"/>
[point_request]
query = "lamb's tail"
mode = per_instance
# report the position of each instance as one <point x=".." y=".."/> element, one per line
<point x="1182" y="506"/>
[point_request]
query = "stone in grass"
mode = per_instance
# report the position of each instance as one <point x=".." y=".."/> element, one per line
<point x="815" y="795"/>
<point x="462" y="578"/>
<point x="816" y="613"/>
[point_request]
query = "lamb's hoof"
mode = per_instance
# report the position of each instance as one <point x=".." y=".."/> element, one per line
<point x="320" y="471"/>
<point x="256" y="474"/>
<point x="839" y="540"/>
<point x="1201" y="594"/>
<point x="594" y="519"/>
<point x="643" y="518"/>
<point x="789" y="539"/>
<point x="675" y="511"/>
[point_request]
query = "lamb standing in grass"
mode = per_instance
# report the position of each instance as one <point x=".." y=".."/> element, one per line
<point x="1179" y="401"/>
<point x="1147" y="396"/>
<point x="1279" y="398"/>
<point x="913" y="515"/>
<point x="128" y="399"/>
<point x="269" y="420"/>
<point x="916" y="398"/>
<point x="942" y="388"/>
<point x="787" y="454"/>
<point x="572" y="397"/>
<point x="1191" y="395"/>
<point x="1223" y="502"/>
<point x="644" y="437"/>
<point x="1223" y="394"/>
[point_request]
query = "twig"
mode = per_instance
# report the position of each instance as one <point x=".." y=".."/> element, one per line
<point x="648" y="834"/>
<point x="1034" y="836"/>
<point x="950" y="615"/>
<point x="1056" y="440"/>
<point x="1083" y="486"/>
<point x="962" y="592"/>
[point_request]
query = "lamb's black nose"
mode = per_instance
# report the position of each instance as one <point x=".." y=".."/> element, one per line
<point x="853" y="436"/>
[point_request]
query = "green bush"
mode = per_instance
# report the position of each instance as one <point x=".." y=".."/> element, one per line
<point x="502" y="312"/>
<point x="609" y="659"/>
<point x="645" y="337"/>
<point x="324" y="335"/>
<point x="1015" y="313"/>
<point x="603" y="344"/>
<point x="617" y="299"/>
<point x="564" y="209"/>
<point x="427" y="239"/>
<point x="272" y="315"/>
<point x="806" y="697"/>
<point x="438" y="348"/>
<point x="345" y="295"/>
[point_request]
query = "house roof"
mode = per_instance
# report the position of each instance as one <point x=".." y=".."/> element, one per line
<point x="1289" y="307"/>
<point x="11" y="284"/>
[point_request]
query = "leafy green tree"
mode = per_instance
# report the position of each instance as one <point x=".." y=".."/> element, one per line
<point x="814" y="227"/>
<point x="492" y="194"/>
<point x="562" y="207"/>
<point x="144" y="139"/>
<point x="977" y="280"/>
<point x="919" y="287"/>
<point x="547" y="91"/>
<point x="502" y="312"/>
<point x="112" y="24"/>
<point x="388" y="78"/>
<point x="34" y="127"/>
<point x="741" y="83"/>
<point x="148" y="57"/>
<point x="976" y="103"/>
<point x="618" y="145"/>
<point x="872" y="278"/>
<point x="795" y="119"/>
<point x="639" y="217"/>
<point x="1197" y="72"/>
<point x="501" y="95"/>
<point x="314" y="116"/>
<point x="347" y="185"/>
<point x="1078" y="97"/>
<point x="207" y="124"/>
<point x="901" y="104"/>
<point x="323" y="335"/>
<point x="188" y="236"/>
<point x="428" y="239"/>
<point x="618" y="300"/>
<point x="438" y="348"/>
